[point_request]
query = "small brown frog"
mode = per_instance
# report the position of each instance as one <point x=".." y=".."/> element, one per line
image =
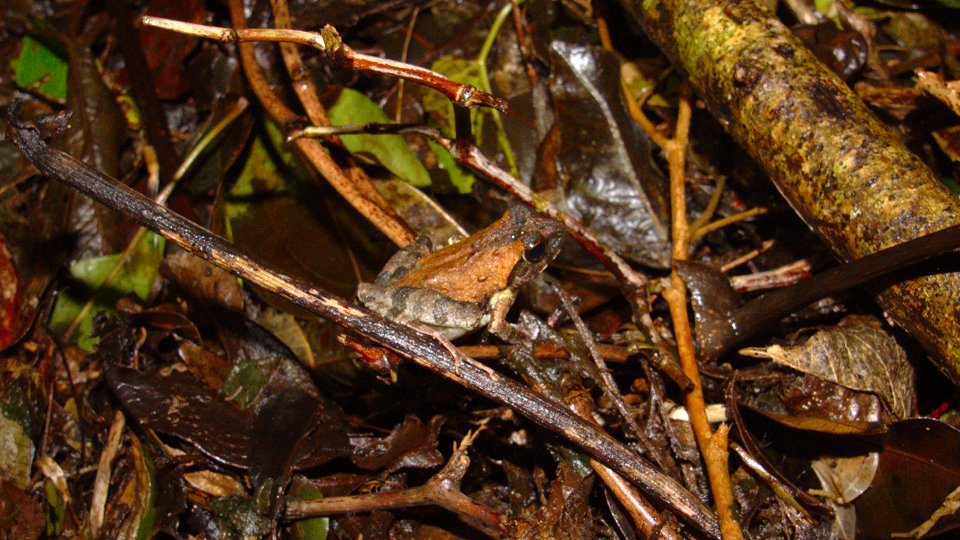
<point x="465" y="286"/>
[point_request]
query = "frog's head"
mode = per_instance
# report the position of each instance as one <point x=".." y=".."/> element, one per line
<point x="540" y="237"/>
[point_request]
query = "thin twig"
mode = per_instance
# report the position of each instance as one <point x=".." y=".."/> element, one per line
<point x="101" y="484"/>
<point x="398" y="113"/>
<point x="713" y="450"/>
<point x="328" y="41"/>
<point x="607" y="385"/>
<point x="696" y="234"/>
<point x="711" y="208"/>
<point x="484" y="82"/>
<point x="442" y="489"/>
<point x="747" y="257"/>
<point x="306" y="90"/>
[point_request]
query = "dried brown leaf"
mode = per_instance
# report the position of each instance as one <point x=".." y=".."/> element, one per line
<point x="860" y="357"/>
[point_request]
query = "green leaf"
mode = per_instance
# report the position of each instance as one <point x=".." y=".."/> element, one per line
<point x="136" y="277"/>
<point x="40" y="69"/>
<point x="55" y="510"/>
<point x="354" y="108"/>
<point x="246" y="380"/>
<point x="269" y="166"/>
<point x="315" y="528"/>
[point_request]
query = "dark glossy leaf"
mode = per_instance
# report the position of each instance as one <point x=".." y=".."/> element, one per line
<point x="410" y="444"/>
<point x="919" y="468"/>
<point x="843" y="51"/>
<point x="174" y="403"/>
<point x="614" y="188"/>
<point x="95" y="134"/>
<point x="810" y="403"/>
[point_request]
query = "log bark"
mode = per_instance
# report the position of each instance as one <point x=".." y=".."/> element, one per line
<point x="845" y="173"/>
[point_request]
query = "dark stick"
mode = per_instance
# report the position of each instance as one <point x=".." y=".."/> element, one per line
<point x="765" y="311"/>
<point x="423" y="349"/>
<point x="143" y="88"/>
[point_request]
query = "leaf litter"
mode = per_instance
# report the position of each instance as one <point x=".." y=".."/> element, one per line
<point x="238" y="407"/>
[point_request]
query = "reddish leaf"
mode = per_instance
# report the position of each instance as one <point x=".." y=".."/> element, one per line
<point x="166" y="51"/>
<point x="919" y="468"/>
<point x="9" y="298"/>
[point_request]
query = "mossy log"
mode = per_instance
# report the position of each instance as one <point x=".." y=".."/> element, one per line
<point x="844" y="172"/>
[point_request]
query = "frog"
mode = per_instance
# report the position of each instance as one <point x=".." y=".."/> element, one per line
<point x="468" y="285"/>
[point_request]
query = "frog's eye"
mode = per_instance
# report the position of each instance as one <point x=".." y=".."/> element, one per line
<point x="536" y="252"/>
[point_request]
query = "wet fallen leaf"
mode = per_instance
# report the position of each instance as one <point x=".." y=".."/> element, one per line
<point x="130" y="512"/>
<point x="856" y="355"/>
<point x="919" y="468"/>
<point x="846" y="478"/>
<point x="614" y="188"/>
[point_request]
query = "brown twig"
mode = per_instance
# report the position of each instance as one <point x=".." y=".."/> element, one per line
<point x="700" y="232"/>
<point x="648" y="521"/>
<point x="788" y="274"/>
<point x="712" y="445"/>
<point x="607" y="385"/>
<point x="610" y="353"/>
<point x="328" y="41"/>
<point x="442" y="489"/>
<point x="303" y="84"/>
<point x="747" y="257"/>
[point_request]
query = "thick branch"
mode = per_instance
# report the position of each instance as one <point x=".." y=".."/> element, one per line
<point x="849" y="177"/>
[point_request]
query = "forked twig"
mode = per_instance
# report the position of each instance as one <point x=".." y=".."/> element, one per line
<point x="328" y="41"/>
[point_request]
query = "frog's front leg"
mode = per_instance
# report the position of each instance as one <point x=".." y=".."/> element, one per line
<point x="500" y="305"/>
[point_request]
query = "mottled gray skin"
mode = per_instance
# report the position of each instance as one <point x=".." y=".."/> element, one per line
<point x="449" y="317"/>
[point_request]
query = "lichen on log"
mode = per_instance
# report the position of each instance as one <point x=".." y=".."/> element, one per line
<point x="845" y="173"/>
